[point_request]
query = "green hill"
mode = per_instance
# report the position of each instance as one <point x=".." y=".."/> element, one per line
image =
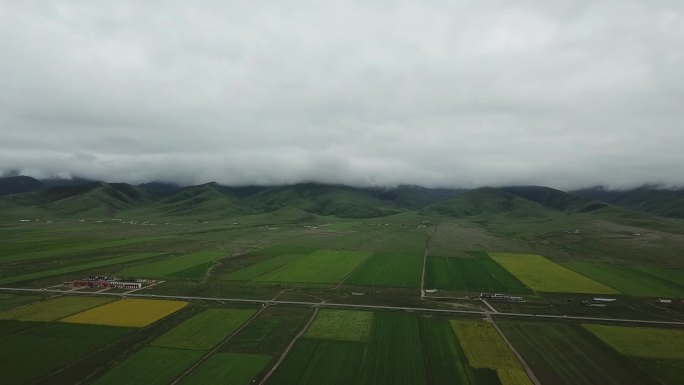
<point x="488" y="200"/>
<point x="661" y="202"/>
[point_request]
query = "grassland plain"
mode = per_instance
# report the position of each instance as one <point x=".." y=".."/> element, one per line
<point x="321" y="266"/>
<point x="150" y="366"/>
<point x="270" y="331"/>
<point x="30" y="355"/>
<point x="485" y="348"/>
<point x="228" y="368"/>
<point x="564" y="353"/>
<point x="445" y="361"/>
<point x="205" y="330"/>
<point x="130" y="312"/>
<point x="473" y="274"/>
<point x="388" y="269"/>
<point x="97" y="264"/>
<point x="395" y="355"/>
<point x="629" y="280"/>
<point x="54" y="308"/>
<point x="541" y="274"/>
<point x="641" y="342"/>
<point x="168" y="267"/>
<point x="342" y="325"/>
<point x="322" y="362"/>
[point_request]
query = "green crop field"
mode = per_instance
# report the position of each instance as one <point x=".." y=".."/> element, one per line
<point x="32" y="354"/>
<point x="321" y="362"/>
<point x="642" y="342"/>
<point x="54" y="308"/>
<point x="395" y="356"/>
<point x="446" y="362"/>
<point x="541" y="274"/>
<point x="8" y="301"/>
<point x="151" y="366"/>
<point x="270" y="331"/>
<point x="342" y="325"/>
<point x="228" y="368"/>
<point x="8" y="327"/>
<point x="561" y="353"/>
<point x="322" y="266"/>
<point x="629" y="280"/>
<point x="204" y="330"/>
<point x="252" y="272"/>
<point x="78" y="267"/>
<point x="472" y="274"/>
<point x="392" y="270"/>
<point x="174" y="265"/>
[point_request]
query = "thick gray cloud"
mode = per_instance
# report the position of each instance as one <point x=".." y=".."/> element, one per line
<point x="436" y="93"/>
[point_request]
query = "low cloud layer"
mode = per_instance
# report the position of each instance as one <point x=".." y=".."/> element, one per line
<point x="566" y="94"/>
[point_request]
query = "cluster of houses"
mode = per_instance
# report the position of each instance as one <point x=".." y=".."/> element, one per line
<point x="102" y="281"/>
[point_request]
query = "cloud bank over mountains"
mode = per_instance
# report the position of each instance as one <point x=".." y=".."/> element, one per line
<point x="434" y="93"/>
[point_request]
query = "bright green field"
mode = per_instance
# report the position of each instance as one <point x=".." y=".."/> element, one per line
<point x="472" y="274"/>
<point x="392" y="270"/>
<point x="79" y="267"/>
<point x="567" y="354"/>
<point x="630" y="280"/>
<point x="205" y="330"/>
<point x="30" y="355"/>
<point x="642" y="342"/>
<point x="483" y="346"/>
<point x="54" y="308"/>
<point x="173" y="265"/>
<point x="228" y="368"/>
<point x="321" y="266"/>
<point x="342" y="325"/>
<point x="151" y="366"/>
<point x="8" y="301"/>
<point x="541" y="274"/>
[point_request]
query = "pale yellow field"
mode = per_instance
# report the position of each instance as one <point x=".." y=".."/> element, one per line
<point x="127" y="312"/>
<point x="541" y="274"/>
<point x="484" y="348"/>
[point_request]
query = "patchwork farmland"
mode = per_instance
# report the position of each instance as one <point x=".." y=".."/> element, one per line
<point x="396" y="301"/>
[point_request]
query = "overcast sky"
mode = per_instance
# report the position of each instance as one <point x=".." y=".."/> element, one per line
<point x="434" y="92"/>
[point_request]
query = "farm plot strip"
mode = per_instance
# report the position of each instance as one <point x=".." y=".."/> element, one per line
<point x="541" y="274"/>
<point x="150" y="366"/>
<point x="563" y="353"/>
<point x="76" y="268"/>
<point x="321" y="266"/>
<point x="205" y="330"/>
<point x="641" y="342"/>
<point x="485" y="349"/>
<point x="130" y="312"/>
<point x="629" y="280"/>
<point x="391" y="270"/>
<point x="471" y="274"/>
<point x="174" y="265"/>
<point x="54" y="308"/>
<point x="342" y="325"/>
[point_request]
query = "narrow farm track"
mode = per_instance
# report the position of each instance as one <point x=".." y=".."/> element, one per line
<point x="353" y="306"/>
<point x="527" y="368"/>
<point x="288" y="348"/>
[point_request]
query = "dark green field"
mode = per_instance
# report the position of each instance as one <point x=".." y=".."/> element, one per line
<point x="474" y="274"/>
<point x="27" y="356"/>
<point x="561" y="353"/>
<point x="634" y="280"/>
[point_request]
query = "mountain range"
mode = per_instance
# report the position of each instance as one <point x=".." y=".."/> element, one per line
<point x="23" y="196"/>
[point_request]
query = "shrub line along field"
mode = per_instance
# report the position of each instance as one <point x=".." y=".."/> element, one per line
<point x="541" y="274"/>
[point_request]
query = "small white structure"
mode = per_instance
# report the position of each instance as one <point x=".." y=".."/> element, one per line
<point x="602" y="299"/>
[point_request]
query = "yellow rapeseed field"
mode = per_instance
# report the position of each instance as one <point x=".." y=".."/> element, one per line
<point x="541" y="274"/>
<point x="127" y="312"/>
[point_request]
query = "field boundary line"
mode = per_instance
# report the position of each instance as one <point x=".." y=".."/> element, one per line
<point x="210" y="353"/>
<point x="512" y="348"/>
<point x="288" y="348"/>
<point x="354" y="306"/>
